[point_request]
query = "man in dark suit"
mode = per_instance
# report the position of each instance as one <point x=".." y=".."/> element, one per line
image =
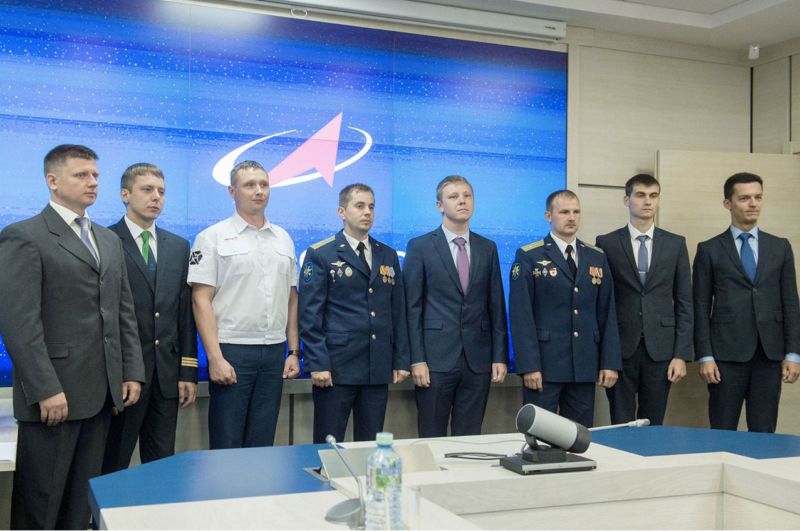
<point x="157" y="263"/>
<point x="653" y="296"/>
<point x="746" y="314"/>
<point x="352" y="322"/>
<point x="456" y="317"/>
<point x="563" y="322"/>
<point x="68" y="323"/>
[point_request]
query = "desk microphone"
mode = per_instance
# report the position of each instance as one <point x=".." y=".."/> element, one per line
<point x="350" y="511"/>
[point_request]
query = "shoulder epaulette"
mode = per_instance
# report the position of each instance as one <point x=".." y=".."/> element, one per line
<point x="532" y="246"/>
<point x="323" y="242"/>
<point x="590" y="246"/>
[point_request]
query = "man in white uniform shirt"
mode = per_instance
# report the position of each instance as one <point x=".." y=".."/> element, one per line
<point x="243" y="276"/>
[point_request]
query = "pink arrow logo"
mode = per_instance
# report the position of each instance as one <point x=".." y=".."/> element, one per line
<point x="318" y="153"/>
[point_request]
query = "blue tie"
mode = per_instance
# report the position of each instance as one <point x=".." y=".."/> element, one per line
<point x="642" y="267"/>
<point x="748" y="260"/>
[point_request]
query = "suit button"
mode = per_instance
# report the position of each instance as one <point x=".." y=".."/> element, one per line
<point x="576" y="289"/>
<point x="372" y="314"/>
<point x="755" y="290"/>
<point x="157" y="342"/>
<point x="370" y="290"/>
<point x="575" y="311"/>
<point x="575" y="333"/>
<point x="374" y="337"/>
<point x="158" y="314"/>
<point x="640" y="313"/>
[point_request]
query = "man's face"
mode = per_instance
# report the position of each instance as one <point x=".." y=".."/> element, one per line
<point x="359" y="214"/>
<point x="73" y="184"/>
<point x="643" y="202"/>
<point x="745" y="204"/>
<point x="145" y="199"/>
<point x="457" y="203"/>
<point x="251" y="191"/>
<point x="565" y="217"/>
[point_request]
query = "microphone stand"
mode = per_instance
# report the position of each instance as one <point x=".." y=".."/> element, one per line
<point x="351" y="511"/>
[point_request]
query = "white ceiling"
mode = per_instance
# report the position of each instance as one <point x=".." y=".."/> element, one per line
<point x="725" y="24"/>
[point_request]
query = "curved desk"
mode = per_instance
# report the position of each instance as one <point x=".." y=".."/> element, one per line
<point x="654" y="477"/>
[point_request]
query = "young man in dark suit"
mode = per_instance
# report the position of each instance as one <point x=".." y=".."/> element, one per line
<point x="158" y="263"/>
<point x="653" y="295"/>
<point x="68" y="323"/>
<point x="563" y="322"/>
<point x="352" y="322"/>
<point x="746" y="335"/>
<point x="456" y="317"/>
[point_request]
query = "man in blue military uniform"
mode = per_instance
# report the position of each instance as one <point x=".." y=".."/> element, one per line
<point x="353" y="322"/>
<point x="563" y="320"/>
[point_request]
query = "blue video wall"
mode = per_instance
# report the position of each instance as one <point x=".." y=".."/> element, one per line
<point x="194" y="89"/>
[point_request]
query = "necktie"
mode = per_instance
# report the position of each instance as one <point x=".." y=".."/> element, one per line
<point x="643" y="258"/>
<point x="361" y="254"/>
<point x="573" y="268"/>
<point x="149" y="259"/>
<point x="83" y="222"/>
<point x="462" y="263"/>
<point x="748" y="260"/>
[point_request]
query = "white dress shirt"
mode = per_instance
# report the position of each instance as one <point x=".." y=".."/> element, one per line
<point x="69" y="218"/>
<point x="562" y="246"/>
<point x="354" y="245"/>
<point x="136" y="232"/>
<point x="450" y="236"/>
<point x="635" y="244"/>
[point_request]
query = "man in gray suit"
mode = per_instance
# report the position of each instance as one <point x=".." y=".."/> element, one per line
<point x="653" y="293"/>
<point x="158" y="264"/>
<point x="68" y="324"/>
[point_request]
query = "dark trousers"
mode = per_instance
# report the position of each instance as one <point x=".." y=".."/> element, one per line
<point x="643" y="377"/>
<point x="457" y="397"/>
<point x="53" y="469"/>
<point x="574" y="401"/>
<point x="152" y="420"/>
<point x="245" y="414"/>
<point x="332" y="407"/>
<point x="756" y="382"/>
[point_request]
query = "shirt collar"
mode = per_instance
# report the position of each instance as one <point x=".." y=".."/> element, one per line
<point x="354" y="243"/>
<point x="66" y="214"/>
<point x="736" y="231"/>
<point x="137" y="231"/>
<point x="635" y="232"/>
<point x="450" y="235"/>
<point x="562" y="245"/>
<point x="240" y="224"/>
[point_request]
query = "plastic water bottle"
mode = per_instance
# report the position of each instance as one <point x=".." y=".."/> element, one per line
<point x="384" y="486"/>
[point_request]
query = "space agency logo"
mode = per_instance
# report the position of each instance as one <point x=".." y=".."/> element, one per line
<point x="314" y="159"/>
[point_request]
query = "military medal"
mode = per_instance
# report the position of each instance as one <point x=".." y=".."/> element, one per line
<point x="348" y="271"/>
<point x="553" y="271"/>
<point x="536" y="273"/>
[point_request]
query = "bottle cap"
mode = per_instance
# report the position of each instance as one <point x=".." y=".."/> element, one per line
<point x="384" y="438"/>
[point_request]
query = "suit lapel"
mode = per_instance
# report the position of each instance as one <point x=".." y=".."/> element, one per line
<point x="554" y="254"/>
<point x="67" y="238"/>
<point x="658" y="248"/>
<point x="442" y="247"/>
<point x="475" y="255"/>
<point x="627" y="248"/>
<point x="764" y="254"/>
<point x="347" y="254"/>
<point x="132" y="250"/>
<point x="377" y="259"/>
<point x="726" y="240"/>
